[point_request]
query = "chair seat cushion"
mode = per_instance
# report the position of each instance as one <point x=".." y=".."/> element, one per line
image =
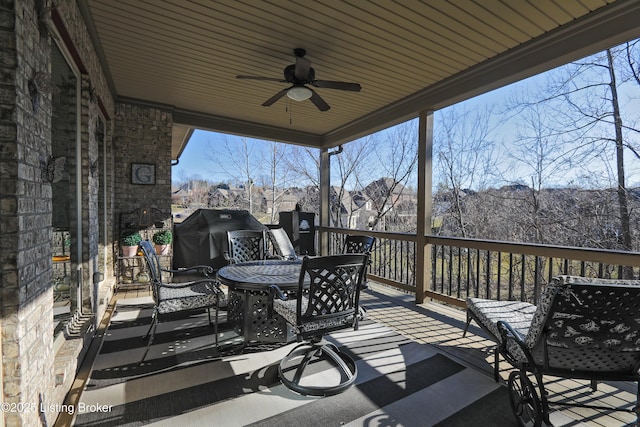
<point x="287" y="309"/>
<point x="489" y="312"/>
<point x="518" y="314"/>
<point x="199" y="295"/>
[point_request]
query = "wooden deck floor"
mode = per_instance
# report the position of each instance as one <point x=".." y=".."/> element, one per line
<point x="442" y="326"/>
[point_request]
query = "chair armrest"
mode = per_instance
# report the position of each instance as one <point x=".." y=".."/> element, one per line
<point x="214" y="282"/>
<point x="507" y="332"/>
<point x="275" y="289"/>
<point x="228" y="258"/>
<point x="205" y="270"/>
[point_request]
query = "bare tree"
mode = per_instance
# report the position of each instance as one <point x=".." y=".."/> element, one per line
<point x="241" y="164"/>
<point x="344" y="168"/>
<point x="584" y="98"/>
<point x="278" y="181"/>
<point x="303" y="164"/>
<point x="465" y="159"/>
<point x="377" y="169"/>
<point x="398" y="156"/>
<point x="540" y="158"/>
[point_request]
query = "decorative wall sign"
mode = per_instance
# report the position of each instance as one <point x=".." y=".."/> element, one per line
<point x="143" y="173"/>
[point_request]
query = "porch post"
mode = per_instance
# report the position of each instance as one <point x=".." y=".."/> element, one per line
<point x="325" y="183"/>
<point x="425" y="172"/>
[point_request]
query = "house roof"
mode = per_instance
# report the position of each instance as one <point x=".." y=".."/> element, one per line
<point x="409" y="55"/>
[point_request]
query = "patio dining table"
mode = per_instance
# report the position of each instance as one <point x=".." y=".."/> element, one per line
<point x="250" y="301"/>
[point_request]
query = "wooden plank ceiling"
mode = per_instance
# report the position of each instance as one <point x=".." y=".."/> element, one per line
<point x="406" y="54"/>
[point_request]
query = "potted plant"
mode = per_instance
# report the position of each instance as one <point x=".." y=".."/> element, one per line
<point x="129" y="241"/>
<point x="162" y="240"/>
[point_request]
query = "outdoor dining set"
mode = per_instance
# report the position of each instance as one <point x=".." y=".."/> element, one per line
<point x="273" y="295"/>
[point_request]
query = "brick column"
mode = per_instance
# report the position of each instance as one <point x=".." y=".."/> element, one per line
<point x="25" y="215"/>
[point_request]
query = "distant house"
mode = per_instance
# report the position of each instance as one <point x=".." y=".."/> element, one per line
<point x="219" y="197"/>
<point x="281" y="200"/>
<point x="180" y="195"/>
<point x="387" y="192"/>
<point x="390" y="201"/>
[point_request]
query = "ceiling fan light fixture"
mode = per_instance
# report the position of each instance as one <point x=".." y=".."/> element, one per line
<point x="299" y="93"/>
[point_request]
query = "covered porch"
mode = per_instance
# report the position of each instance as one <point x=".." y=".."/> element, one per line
<point x="102" y="98"/>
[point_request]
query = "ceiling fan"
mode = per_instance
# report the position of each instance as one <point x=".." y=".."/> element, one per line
<point x="299" y="75"/>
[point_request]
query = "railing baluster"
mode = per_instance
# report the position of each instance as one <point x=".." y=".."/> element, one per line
<point x="394" y="259"/>
<point x="488" y="292"/>
<point x="499" y="275"/>
<point x="459" y="278"/>
<point x="523" y="272"/>
<point x="434" y="262"/>
<point x="510" y="276"/>
<point x="477" y="272"/>
<point x="442" y="270"/>
<point x="536" y="278"/>
<point x="468" y="252"/>
<point x="600" y="270"/>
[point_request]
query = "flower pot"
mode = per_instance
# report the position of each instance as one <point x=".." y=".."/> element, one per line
<point x="162" y="249"/>
<point x="129" y="251"/>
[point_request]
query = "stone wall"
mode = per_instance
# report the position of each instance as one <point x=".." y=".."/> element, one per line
<point x="34" y="370"/>
<point x="142" y="135"/>
<point x="25" y="214"/>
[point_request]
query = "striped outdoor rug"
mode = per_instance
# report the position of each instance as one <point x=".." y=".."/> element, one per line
<point x="185" y="382"/>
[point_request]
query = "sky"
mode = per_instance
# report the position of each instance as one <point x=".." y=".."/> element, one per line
<point x="193" y="161"/>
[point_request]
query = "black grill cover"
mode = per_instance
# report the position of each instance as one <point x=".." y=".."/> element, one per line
<point x="201" y="239"/>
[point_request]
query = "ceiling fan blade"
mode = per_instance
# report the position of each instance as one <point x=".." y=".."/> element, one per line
<point x="328" y="84"/>
<point x="318" y="101"/>
<point x="302" y="68"/>
<point x="270" y="79"/>
<point x="275" y="97"/>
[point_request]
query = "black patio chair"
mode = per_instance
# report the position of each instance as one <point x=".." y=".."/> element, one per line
<point x="246" y="245"/>
<point x="354" y="244"/>
<point x="359" y="245"/>
<point x="583" y="328"/>
<point x="326" y="300"/>
<point x="170" y="298"/>
<point x="281" y="244"/>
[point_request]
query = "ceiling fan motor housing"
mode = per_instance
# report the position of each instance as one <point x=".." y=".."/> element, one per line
<point x="290" y="75"/>
<point x="299" y="75"/>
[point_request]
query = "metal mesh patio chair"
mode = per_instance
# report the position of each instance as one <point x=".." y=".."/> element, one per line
<point x="326" y="300"/>
<point x="281" y="244"/>
<point x="177" y="297"/>
<point x="359" y="245"/>
<point x="246" y="245"/>
<point x="583" y="328"/>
